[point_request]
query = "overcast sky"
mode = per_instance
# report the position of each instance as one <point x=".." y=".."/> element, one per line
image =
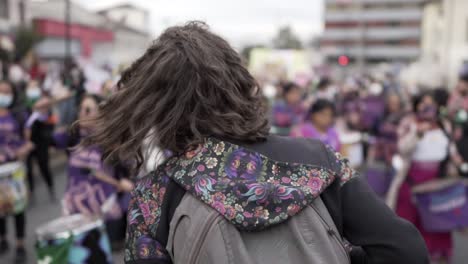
<point x="240" y="21"/>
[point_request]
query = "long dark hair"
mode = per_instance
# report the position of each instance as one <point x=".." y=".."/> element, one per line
<point x="188" y="85"/>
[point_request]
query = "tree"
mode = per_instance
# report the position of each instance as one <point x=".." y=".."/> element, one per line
<point x="25" y="39"/>
<point x="286" y="39"/>
<point x="247" y="49"/>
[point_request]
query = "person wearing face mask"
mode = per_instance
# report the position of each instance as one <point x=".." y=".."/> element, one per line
<point x="424" y="143"/>
<point x="13" y="148"/>
<point x="33" y="93"/>
<point x="93" y="186"/>
<point x="40" y="127"/>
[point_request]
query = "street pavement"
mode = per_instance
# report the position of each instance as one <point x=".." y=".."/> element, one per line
<point x="42" y="210"/>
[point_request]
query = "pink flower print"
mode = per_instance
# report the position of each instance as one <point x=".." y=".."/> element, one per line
<point x="230" y="213"/>
<point x="218" y="206"/>
<point x="293" y="209"/>
<point x="145" y="211"/>
<point x="219" y="197"/>
<point x="248" y="214"/>
<point x="201" y="168"/>
<point x="315" y="184"/>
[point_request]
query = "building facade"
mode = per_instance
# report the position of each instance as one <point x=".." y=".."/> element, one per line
<point x="87" y="30"/>
<point x="107" y="37"/>
<point x="130" y="25"/>
<point x="13" y="13"/>
<point x="372" y="31"/>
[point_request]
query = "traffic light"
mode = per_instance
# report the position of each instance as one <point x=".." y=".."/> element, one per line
<point x="343" y="60"/>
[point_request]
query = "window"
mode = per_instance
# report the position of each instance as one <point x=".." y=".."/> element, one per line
<point x="4" y="9"/>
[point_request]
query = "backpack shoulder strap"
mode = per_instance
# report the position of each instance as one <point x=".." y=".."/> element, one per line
<point x="189" y="226"/>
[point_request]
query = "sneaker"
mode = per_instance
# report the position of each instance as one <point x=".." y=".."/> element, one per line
<point x="20" y="256"/>
<point x="4" y="247"/>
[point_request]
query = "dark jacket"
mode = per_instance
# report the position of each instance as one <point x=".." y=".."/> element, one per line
<point x="379" y="236"/>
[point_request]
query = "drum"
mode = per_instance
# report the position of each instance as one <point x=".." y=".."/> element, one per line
<point x="13" y="192"/>
<point x="442" y="204"/>
<point x="73" y="239"/>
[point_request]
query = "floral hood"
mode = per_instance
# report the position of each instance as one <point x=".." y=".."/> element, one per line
<point x="249" y="189"/>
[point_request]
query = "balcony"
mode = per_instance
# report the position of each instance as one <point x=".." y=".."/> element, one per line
<point x="372" y="34"/>
<point x="374" y="15"/>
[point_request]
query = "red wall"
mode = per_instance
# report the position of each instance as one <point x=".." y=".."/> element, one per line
<point x="85" y="34"/>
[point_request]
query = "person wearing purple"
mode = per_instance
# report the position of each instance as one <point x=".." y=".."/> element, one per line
<point x="92" y="185"/>
<point x="287" y="111"/>
<point x="319" y="124"/>
<point x="13" y="147"/>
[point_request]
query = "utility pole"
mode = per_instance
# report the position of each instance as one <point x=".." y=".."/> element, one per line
<point x="67" y="32"/>
<point x="360" y="59"/>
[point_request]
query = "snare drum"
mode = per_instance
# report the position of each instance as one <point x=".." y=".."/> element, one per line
<point x="73" y="239"/>
<point x="13" y="192"/>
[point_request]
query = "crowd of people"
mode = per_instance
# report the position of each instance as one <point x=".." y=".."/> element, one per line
<point x="407" y="144"/>
<point x="44" y="113"/>
<point x="405" y="139"/>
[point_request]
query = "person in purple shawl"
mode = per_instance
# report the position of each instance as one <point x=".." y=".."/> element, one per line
<point x="93" y="186"/>
<point x="319" y="124"/>
<point x="13" y="147"/>
<point x="288" y="111"/>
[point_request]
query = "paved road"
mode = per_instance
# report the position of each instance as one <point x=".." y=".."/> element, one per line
<point x="42" y="210"/>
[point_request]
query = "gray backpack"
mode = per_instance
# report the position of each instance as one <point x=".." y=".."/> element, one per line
<point x="200" y="235"/>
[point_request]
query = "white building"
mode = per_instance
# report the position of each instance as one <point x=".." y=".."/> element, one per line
<point x="372" y="31"/>
<point x="13" y="13"/>
<point x="445" y="41"/>
<point x="129" y="15"/>
<point x="108" y="37"/>
<point x="130" y="25"/>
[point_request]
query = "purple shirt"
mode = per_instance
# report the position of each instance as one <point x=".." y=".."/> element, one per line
<point x="10" y="137"/>
<point x="307" y="130"/>
<point x="85" y="193"/>
<point x="285" y="115"/>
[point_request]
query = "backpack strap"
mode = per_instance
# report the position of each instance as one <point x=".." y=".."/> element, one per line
<point x="322" y="211"/>
<point x="192" y="220"/>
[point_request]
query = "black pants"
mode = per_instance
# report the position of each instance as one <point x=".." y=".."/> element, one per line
<point x="41" y="155"/>
<point x="20" y="224"/>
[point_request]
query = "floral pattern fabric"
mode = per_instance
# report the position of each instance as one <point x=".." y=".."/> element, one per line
<point x="144" y="212"/>
<point x="250" y="190"/>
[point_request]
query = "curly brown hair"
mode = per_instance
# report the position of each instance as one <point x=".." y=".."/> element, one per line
<point x="189" y="84"/>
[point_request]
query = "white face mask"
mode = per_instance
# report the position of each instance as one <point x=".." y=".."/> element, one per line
<point x="375" y="89"/>
<point x="33" y="93"/>
<point x="5" y="100"/>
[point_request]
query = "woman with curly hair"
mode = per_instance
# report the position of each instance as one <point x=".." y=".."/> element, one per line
<point x="190" y="94"/>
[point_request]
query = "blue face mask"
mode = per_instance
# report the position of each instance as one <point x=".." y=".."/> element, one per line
<point x="5" y="100"/>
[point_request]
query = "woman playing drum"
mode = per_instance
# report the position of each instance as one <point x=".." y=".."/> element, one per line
<point x="12" y="148"/>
